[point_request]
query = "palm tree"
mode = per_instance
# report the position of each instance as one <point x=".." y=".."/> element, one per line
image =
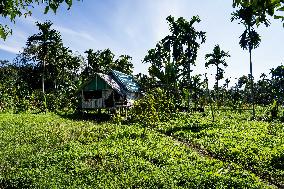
<point x="217" y="58"/>
<point x="250" y="39"/>
<point x="43" y="45"/>
<point x="174" y="55"/>
<point x="186" y="41"/>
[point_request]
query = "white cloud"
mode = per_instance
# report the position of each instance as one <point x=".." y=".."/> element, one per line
<point x="11" y="49"/>
<point x="133" y="27"/>
<point x="15" y="42"/>
<point x="74" y="33"/>
<point x="162" y="9"/>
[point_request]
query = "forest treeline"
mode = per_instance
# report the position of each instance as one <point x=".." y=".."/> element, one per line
<point x="46" y="75"/>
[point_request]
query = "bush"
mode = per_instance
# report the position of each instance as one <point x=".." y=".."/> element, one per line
<point x="274" y="109"/>
<point x="36" y="102"/>
<point x="155" y="106"/>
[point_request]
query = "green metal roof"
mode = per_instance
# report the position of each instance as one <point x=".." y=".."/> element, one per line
<point x="127" y="81"/>
<point x="118" y="81"/>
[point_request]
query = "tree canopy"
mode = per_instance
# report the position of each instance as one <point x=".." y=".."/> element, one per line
<point x="174" y="55"/>
<point x="12" y="9"/>
<point x="43" y="47"/>
<point x="250" y="16"/>
<point x="103" y="61"/>
<point x="217" y="58"/>
<point x="262" y="8"/>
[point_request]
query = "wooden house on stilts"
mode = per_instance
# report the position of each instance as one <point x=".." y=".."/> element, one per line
<point x="109" y="91"/>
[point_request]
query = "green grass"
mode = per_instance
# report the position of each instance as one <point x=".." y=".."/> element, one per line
<point x="255" y="145"/>
<point x="47" y="151"/>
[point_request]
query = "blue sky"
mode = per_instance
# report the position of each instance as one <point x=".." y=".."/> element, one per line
<point x="134" y="26"/>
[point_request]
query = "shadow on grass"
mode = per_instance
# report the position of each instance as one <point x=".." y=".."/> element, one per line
<point x="89" y="116"/>
<point x="194" y="128"/>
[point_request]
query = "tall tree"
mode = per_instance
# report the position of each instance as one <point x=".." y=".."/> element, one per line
<point x="278" y="82"/>
<point x="262" y="8"/>
<point x="263" y="90"/>
<point x="217" y="58"/>
<point x="12" y="9"/>
<point x="173" y="56"/>
<point x="124" y="64"/>
<point x="187" y="41"/>
<point x="250" y="39"/>
<point x="146" y="82"/>
<point x="43" y="47"/>
<point x="92" y="63"/>
<point x="106" y="60"/>
<point x="162" y="69"/>
<point x="64" y="67"/>
<point x="103" y="61"/>
<point x="191" y="39"/>
<point x="198" y="89"/>
<point x="244" y="86"/>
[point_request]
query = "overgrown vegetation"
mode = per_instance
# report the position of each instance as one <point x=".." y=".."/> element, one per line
<point x="255" y="145"/>
<point x="181" y="134"/>
<point x="46" y="151"/>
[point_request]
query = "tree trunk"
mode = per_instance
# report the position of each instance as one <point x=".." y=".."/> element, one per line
<point x="217" y="83"/>
<point x="42" y="78"/>
<point x="251" y="81"/>
<point x="189" y="90"/>
<point x="43" y="87"/>
<point x="55" y="84"/>
<point x="210" y="103"/>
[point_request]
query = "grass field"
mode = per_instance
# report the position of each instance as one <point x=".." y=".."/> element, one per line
<point x="48" y="151"/>
<point x="257" y="146"/>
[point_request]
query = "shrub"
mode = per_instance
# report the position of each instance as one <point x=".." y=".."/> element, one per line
<point x="157" y="105"/>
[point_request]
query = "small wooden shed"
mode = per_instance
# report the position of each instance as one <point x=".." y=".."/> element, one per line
<point x="112" y="90"/>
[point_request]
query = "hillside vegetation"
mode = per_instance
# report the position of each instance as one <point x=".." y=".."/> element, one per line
<point x="47" y="151"/>
<point x="257" y="146"/>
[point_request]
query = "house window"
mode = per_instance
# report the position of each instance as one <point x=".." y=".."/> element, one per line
<point x="92" y="94"/>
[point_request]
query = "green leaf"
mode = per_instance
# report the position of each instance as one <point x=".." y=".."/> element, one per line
<point x="277" y="17"/>
<point x="2" y="34"/>
<point x="281" y="8"/>
<point x="53" y="7"/>
<point x="46" y="9"/>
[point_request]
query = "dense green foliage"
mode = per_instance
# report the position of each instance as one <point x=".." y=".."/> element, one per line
<point x="47" y="65"/>
<point x="255" y="145"/>
<point x="165" y="144"/>
<point x="263" y="8"/>
<point x="155" y="106"/>
<point x="47" y="75"/>
<point x="46" y="151"/>
<point x="172" y="60"/>
<point x="14" y="8"/>
<point x="217" y="58"/>
<point x="102" y="61"/>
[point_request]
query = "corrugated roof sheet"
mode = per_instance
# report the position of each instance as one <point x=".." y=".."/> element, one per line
<point x="127" y="81"/>
<point x="111" y="82"/>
